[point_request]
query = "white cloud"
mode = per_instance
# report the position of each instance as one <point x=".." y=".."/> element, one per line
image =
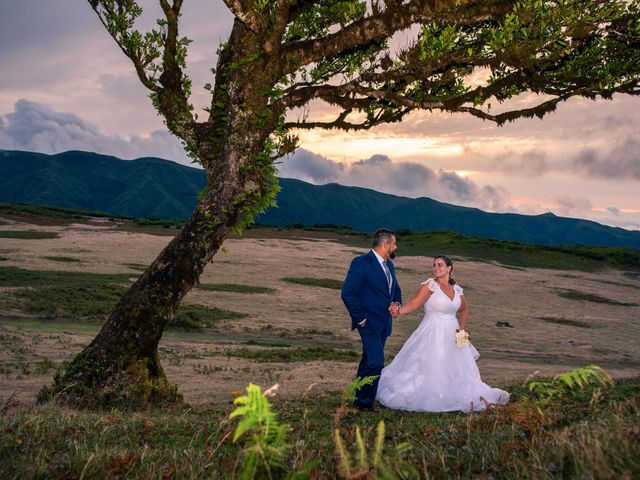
<point x="620" y="162"/>
<point x="407" y="179"/>
<point x="413" y="179"/>
<point x="36" y="127"/>
<point x="568" y="206"/>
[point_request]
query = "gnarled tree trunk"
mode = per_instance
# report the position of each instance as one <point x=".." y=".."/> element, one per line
<point x="121" y="364"/>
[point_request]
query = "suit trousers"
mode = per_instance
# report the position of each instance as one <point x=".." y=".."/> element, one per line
<point x="371" y="363"/>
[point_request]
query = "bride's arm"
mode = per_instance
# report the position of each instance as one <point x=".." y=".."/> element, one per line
<point x="421" y="296"/>
<point x="463" y="313"/>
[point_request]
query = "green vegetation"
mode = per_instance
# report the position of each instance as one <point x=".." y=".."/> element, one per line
<point x="64" y="259"/>
<point x="315" y="282"/>
<point x="566" y="321"/>
<point x="27" y="234"/>
<point x="601" y="280"/>
<point x="138" y="224"/>
<point x="296" y="354"/>
<point x="579" y="431"/>
<point x="321" y="227"/>
<point x="18" y="277"/>
<point x="49" y="212"/>
<point x="592" y="297"/>
<point x="193" y="317"/>
<point x="92" y="296"/>
<point x="514" y="254"/>
<point x="349" y="394"/>
<point x="570" y="384"/>
<point x="259" y="343"/>
<point x="151" y="226"/>
<point x="266" y="445"/>
<point x="235" y="287"/>
<point x="136" y="266"/>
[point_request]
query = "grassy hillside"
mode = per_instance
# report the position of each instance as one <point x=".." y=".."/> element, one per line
<point x="515" y="254"/>
<point x="571" y="257"/>
<point x="152" y="187"/>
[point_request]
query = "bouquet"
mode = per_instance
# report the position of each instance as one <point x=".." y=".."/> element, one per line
<point x="462" y="338"/>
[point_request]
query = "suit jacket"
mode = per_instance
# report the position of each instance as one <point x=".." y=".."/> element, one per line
<point x="365" y="293"/>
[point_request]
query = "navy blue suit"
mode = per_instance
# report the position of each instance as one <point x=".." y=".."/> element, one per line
<point x="366" y="295"/>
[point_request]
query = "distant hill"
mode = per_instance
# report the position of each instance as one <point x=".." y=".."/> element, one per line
<point x="152" y="187"/>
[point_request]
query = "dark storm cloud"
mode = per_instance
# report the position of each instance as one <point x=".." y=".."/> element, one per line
<point x="379" y="172"/>
<point x="622" y="161"/>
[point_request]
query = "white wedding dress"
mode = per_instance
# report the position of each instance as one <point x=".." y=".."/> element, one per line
<point x="430" y="373"/>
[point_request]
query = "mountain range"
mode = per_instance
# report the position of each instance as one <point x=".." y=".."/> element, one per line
<point x="153" y="187"/>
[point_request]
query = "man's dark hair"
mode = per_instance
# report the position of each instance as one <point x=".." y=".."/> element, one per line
<point x="381" y="235"/>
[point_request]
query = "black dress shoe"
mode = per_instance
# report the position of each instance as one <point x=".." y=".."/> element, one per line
<point x="372" y="409"/>
<point x="365" y="408"/>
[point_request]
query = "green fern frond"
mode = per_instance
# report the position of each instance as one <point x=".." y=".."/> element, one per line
<point x="377" y="453"/>
<point x="362" y="451"/>
<point x="570" y="383"/>
<point x="266" y="439"/>
<point x="349" y="393"/>
<point x="378" y="463"/>
<point x="344" y="459"/>
<point x="403" y="447"/>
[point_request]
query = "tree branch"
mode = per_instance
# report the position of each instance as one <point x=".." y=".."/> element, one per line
<point x="173" y="98"/>
<point x="384" y="24"/>
<point x="243" y="11"/>
<point x="341" y="123"/>
<point x="107" y="16"/>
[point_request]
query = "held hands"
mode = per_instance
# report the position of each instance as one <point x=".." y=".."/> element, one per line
<point x="394" y="309"/>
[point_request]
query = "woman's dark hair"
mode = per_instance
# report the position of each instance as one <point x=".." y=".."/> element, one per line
<point x="449" y="263"/>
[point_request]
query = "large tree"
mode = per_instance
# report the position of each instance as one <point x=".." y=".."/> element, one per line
<point x="291" y="55"/>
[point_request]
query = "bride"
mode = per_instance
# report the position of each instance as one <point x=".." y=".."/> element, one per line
<point x="431" y="373"/>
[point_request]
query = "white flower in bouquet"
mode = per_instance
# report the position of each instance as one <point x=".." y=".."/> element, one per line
<point x="462" y="338"/>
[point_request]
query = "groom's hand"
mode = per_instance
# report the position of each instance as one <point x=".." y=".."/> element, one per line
<point x="394" y="309"/>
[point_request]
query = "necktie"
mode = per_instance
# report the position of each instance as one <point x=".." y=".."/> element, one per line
<point x="387" y="273"/>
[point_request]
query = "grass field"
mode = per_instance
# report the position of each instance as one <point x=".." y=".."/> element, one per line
<point x="268" y="310"/>
<point x="590" y="435"/>
<point x="89" y="296"/>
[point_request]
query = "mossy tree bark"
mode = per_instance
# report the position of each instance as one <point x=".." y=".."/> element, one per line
<point x="121" y="364"/>
<point x="290" y="54"/>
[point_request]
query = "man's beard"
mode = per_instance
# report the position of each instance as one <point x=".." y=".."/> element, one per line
<point x="392" y="254"/>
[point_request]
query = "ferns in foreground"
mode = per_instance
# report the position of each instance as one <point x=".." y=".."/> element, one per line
<point x="540" y="409"/>
<point x="375" y="464"/>
<point x="349" y="393"/>
<point x="266" y="439"/>
<point x="570" y="384"/>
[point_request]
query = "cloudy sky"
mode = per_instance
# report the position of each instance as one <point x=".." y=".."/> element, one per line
<point x="66" y="85"/>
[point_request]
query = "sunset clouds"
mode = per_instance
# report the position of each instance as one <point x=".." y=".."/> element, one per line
<point x="65" y="85"/>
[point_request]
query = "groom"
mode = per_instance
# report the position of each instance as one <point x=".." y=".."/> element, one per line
<point x="368" y="291"/>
